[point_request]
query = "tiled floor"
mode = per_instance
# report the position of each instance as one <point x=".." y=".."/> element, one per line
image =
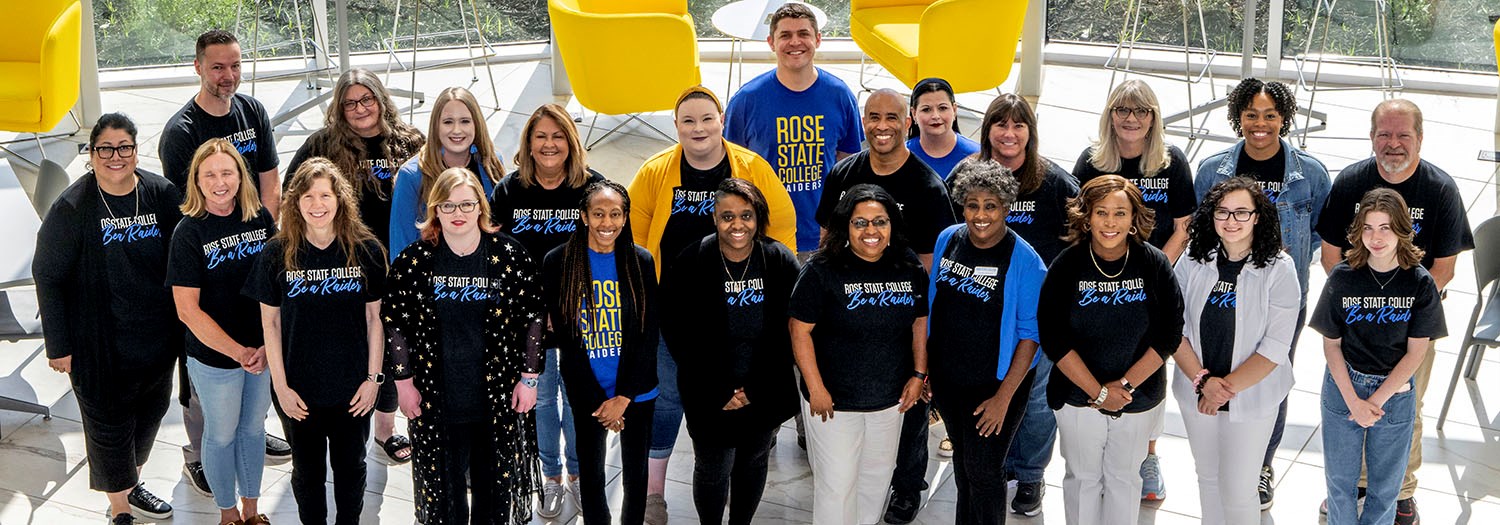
<point x="43" y="472"/>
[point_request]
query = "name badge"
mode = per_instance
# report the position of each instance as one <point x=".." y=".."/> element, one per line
<point x="986" y="271"/>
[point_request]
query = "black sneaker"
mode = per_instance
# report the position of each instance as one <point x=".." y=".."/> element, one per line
<point x="1406" y="512"/>
<point x="123" y="518"/>
<point x="147" y="504"/>
<point x="195" y="478"/>
<point x="1267" y="491"/>
<point x="277" y="448"/>
<point x="903" y="508"/>
<point x="1028" y="500"/>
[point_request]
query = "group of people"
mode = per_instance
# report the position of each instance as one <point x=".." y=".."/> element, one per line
<point x="795" y="256"/>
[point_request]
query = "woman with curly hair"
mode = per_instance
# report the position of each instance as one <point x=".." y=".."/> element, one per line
<point x="1113" y="315"/>
<point x="364" y="137"/>
<point x="466" y="377"/>
<point x="1240" y="298"/>
<point x="1379" y="314"/>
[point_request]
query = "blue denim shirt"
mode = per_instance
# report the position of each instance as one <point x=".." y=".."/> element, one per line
<point x="1302" y="197"/>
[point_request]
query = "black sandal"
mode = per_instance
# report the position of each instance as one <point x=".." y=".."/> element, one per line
<point x="394" y="446"/>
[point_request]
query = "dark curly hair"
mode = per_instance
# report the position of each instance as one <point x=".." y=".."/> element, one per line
<point x="835" y="246"/>
<point x="1281" y="96"/>
<point x="1203" y="240"/>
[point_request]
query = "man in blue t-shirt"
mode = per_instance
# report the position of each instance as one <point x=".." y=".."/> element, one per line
<point x="800" y="118"/>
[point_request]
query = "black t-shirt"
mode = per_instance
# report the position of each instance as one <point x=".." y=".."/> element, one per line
<point x="462" y="294"/>
<point x="1169" y="193"/>
<point x="692" y="214"/>
<point x="1216" y="326"/>
<point x="541" y="219"/>
<point x="1374" y="321"/>
<point x="325" y="345"/>
<point x="745" y="297"/>
<point x="134" y="246"/>
<point x="246" y="125"/>
<point x="918" y="191"/>
<point x="1437" y="209"/>
<point x="1269" y="173"/>
<point x="215" y="255"/>
<point x="963" y="343"/>
<point x="863" y="314"/>
<point x="1110" y="313"/>
<point x="374" y="202"/>
<point x="1041" y="216"/>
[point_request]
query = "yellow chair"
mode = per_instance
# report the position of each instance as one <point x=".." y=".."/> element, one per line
<point x="626" y="57"/>
<point x="39" y="64"/>
<point x="969" y="43"/>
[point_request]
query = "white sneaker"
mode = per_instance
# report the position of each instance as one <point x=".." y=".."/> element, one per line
<point x="552" y="499"/>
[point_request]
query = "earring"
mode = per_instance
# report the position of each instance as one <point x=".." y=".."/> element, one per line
<point x="1132" y="230"/>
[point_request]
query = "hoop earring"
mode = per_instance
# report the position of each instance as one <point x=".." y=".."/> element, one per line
<point x="1132" y="230"/>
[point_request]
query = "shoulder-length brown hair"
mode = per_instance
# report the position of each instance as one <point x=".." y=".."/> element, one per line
<point x="451" y="179"/>
<point x="338" y="142"/>
<point x="575" y="168"/>
<point x="349" y="231"/>
<point x="247" y="198"/>
<point x="431" y="156"/>
<point x="1143" y="219"/>
<point x="1013" y="108"/>
<point x="1388" y="201"/>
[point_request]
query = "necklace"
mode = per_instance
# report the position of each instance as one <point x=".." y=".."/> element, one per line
<point x="1377" y="277"/>
<point x="743" y="273"/>
<point x="1101" y="270"/>
<point x="106" y="201"/>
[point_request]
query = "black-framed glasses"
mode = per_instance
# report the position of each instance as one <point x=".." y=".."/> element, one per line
<point x="1222" y="214"/>
<point x="465" y="206"/>
<point x="125" y="151"/>
<point x="862" y="223"/>
<point x="368" y="101"/>
<point x="1140" y="113"/>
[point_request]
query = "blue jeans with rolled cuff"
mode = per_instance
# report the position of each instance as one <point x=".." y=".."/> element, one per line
<point x="1382" y="448"/>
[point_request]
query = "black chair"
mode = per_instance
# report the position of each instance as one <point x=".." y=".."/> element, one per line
<point x="1483" y="330"/>
<point x="19" y="316"/>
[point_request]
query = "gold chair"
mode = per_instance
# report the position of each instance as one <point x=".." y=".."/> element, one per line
<point x="626" y="57"/>
<point x="969" y="43"/>
<point x="40" y="65"/>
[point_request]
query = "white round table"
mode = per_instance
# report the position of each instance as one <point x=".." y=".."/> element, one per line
<point x="750" y="20"/>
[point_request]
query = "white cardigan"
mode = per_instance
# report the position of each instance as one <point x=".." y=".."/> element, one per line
<point x="1265" y="315"/>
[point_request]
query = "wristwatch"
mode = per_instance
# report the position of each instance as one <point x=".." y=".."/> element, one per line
<point x="1129" y="388"/>
<point x="377" y="378"/>
<point x="1103" y="395"/>
<point x="530" y="382"/>
<point x="919" y="375"/>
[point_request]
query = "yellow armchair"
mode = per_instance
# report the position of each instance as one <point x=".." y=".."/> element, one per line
<point x="969" y="43"/>
<point x="39" y="63"/>
<point x="626" y="56"/>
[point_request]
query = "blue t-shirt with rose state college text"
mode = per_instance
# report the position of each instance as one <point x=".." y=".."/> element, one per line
<point x="602" y="328"/>
<point x="799" y="133"/>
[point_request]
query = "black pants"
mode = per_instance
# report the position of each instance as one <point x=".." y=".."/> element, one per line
<point x="635" y="441"/>
<point x="387" y="401"/>
<point x="334" y="433"/>
<point x="979" y="462"/>
<point x="470" y="447"/>
<point x="910" y="476"/>
<point x="119" y="429"/>
<point x="740" y="465"/>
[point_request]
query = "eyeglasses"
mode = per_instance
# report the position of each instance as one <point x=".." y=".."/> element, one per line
<point x="861" y="223"/>
<point x="368" y="101"/>
<point x="465" y="206"/>
<point x="104" y="152"/>
<point x="1140" y="113"/>
<point x="1221" y="214"/>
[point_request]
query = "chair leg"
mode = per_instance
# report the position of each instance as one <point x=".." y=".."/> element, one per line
<point x="633" y="116"/>
<point x="1458" y="367"/>
<point x="1476" y="356"/>
<point x="16" y="405"/>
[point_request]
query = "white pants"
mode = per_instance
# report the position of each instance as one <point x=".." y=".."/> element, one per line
<point x="1102" y="484"/>
<point x="1158" y="419"/>
<point x="852" y="456"/>
<point x="1228" y="467"/>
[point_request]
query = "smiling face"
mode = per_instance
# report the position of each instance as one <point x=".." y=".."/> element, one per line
<point x="1397" y="144"/>
<point x="1130" y="126"/>
<point x="365" y="121"/>
<point x="219" y="181"/>
<point x="1260" y="124"/>
<point x="1109" y="223"/>
<point x="795" y="41"/>
<point x="700" y="128"/>
<point x="984" y="214"/>
<point x="1379" y="238"/>
<point x="1236" y="236"/>
<point x="869" y="230"/>
<point x="118" y="166"/>
<point x="885" y="123"/>
<point x="319" y="204"/>
<point x="455" y="127"/>
<point x="219" y="70"/>
<point x="549" y="146"/>
<point x="737" y="224"/>
<point x="605" y="219"/>
<point x="934" y="114"/>
<point x="460" y="223"/>
<point x="1008" y="140"/>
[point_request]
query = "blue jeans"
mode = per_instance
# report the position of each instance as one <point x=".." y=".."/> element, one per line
<point x="234" y="428"/>
<point x="1382" y="447"/>
<point x="554" y="421"/>
<point x="667" y="420"/>
<point x="1031" y="449"/>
